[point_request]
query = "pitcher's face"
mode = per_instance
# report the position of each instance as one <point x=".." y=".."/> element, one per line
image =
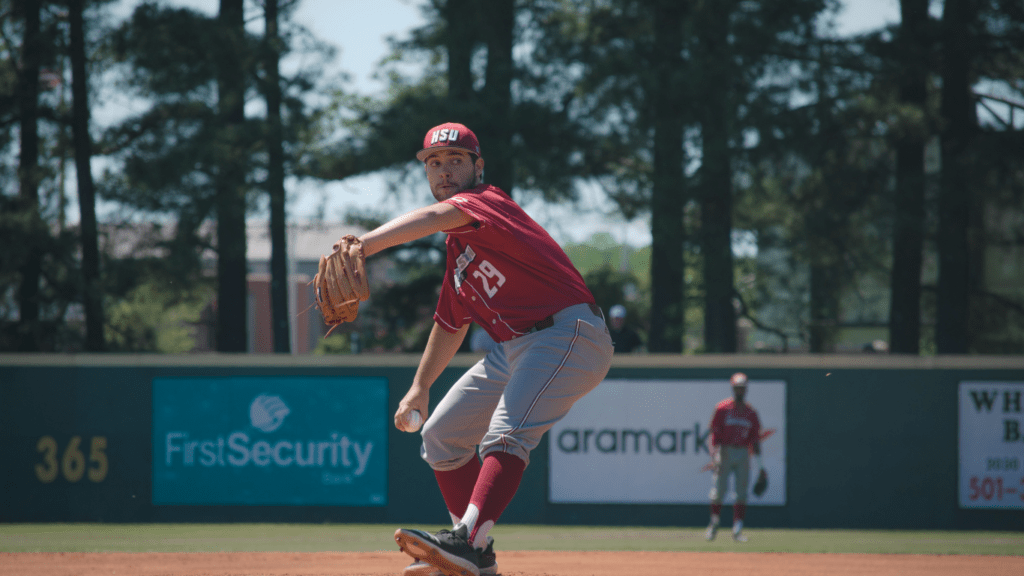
<point x="452" y="171"/>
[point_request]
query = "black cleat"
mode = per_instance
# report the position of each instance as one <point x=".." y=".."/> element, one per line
<point x="488" y="564"/>
<point x="449" y="550"/>
<point x="488" y="560"/>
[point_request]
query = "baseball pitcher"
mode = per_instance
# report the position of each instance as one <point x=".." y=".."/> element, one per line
<point x="505" y="273"/>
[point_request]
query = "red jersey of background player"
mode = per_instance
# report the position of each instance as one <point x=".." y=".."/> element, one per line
<point x="504" y="271"/>
<point x="734" y="425"/>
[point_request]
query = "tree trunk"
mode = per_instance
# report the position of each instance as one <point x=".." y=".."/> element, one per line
<point x="499" y="18"/>
<point x="953" y="300"/>
<point x="668" y="286"/>
<point x="28" y="176"/>
<point x="461" y="37"/>
<point x="908" y="230"/>
<point x="232" y="334"/>
<point x="92" y="290"/>
<point x="275" y="185"/>
<point x="824" y="309"/>
<point x="716" y="186"/>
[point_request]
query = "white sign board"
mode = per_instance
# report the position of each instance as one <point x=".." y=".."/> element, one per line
<point x="646" y="441"/>
<point x="992" y="445"/>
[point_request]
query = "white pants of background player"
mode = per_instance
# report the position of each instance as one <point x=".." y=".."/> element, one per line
<point x="735" y="461"/>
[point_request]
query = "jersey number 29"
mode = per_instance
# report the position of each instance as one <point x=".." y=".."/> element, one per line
<point x="486" y="272"/>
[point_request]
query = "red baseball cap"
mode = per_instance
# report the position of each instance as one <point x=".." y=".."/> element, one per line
<point x="449" y="135"/>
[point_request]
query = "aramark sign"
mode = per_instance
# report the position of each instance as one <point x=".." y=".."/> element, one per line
<point x="270" y="441"/>
<point x="646" y="441"/>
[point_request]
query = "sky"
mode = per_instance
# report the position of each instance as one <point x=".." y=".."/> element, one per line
<point x="359" y="29"/>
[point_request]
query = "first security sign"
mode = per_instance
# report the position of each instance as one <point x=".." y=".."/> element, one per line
<point x="270" y="441"/>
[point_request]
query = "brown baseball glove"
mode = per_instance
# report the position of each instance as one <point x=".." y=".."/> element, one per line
<point x="341" y="283"/>
<point x="761" y="484"/>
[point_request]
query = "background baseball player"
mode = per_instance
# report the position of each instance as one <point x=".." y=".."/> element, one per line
<point x="735" y="435"/>
<point x="508" y="275"/>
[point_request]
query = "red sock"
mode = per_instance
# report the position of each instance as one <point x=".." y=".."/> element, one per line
<point x="497" y="484"/>
<point x="739" y="511"/>
<point x="716" y="509"/>
<point x="457" y="486"/>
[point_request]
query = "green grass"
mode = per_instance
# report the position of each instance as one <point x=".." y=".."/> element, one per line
<point x="367" y="538"/>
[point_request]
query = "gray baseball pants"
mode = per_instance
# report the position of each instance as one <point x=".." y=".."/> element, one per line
<point x="511" y="397"/>
<point x="735" y="460"/>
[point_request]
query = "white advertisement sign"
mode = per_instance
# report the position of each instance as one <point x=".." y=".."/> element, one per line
<point x="646" y="441"/>
<point x="992" y="445"/>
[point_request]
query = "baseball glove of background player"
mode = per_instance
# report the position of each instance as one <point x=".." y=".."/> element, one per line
<point x="761" y="484"/>
<point x="341" y="283"/>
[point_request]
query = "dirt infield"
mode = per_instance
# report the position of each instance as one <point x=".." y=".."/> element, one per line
<point x="512" y="563"/>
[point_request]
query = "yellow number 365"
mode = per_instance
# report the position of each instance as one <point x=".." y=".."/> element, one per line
<point x="72" y="463"/>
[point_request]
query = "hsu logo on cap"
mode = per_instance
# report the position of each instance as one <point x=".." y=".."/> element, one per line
<point x="445" y="135"/>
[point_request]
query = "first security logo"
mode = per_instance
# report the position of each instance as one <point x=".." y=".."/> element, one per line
<point x="270" y="441"/>
<point x="267" y="412"/>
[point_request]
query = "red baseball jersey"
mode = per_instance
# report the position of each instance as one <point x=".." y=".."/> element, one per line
<point x="504" y="271"/>
<point x="734" y="425"/>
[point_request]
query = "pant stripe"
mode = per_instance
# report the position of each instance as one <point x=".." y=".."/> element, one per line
<point x="565" y="358"/>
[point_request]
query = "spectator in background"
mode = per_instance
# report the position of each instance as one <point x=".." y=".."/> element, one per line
<point x="880" y="346"/>
<point x="624" y="338"/>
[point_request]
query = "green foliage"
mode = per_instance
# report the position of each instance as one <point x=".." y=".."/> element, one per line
<point x="367" y="219"/>
<point x="165" y="158"/>
<point x="601" y="251"/>
<point x="818" y="200"/>
<point x="611" y="287"/>
<point x="26" y="237"/>
<point x="334" y="344"/>
<point x="403" y="311"/>
<point x="545" y="151"/>
<point x="362" y="135"/>
<point x="168" y="50"/>
<point x="615" y="273"/>
<point x="159" y="302"/>
<point x="154" y="317"/>
<point x="810" y="124"/>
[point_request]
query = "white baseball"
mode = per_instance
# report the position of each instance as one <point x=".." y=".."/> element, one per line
<point x="413" y="421"/>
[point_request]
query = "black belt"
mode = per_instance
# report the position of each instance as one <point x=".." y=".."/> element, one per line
<point x="550" y="320"/>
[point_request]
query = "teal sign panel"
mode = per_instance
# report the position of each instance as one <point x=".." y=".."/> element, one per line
<point x="270" y="441"/>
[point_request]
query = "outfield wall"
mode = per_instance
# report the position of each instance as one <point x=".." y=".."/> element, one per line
<point x="854" y="441"/>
